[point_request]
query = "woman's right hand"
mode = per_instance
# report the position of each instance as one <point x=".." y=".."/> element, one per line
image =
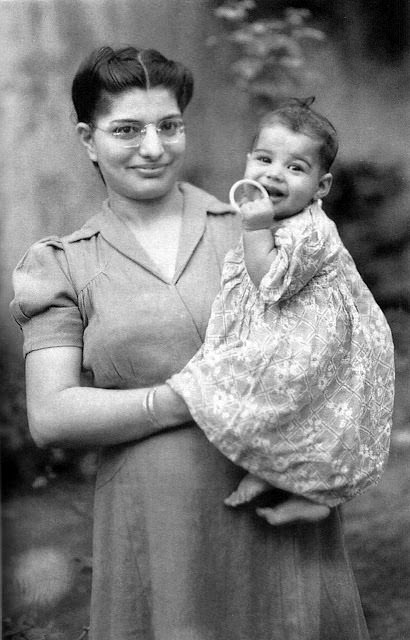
<point x="169" y="407"/>
<point x="63" y="413"/>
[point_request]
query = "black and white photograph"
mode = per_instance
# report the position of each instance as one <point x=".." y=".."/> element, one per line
<point x="205" y="319"/>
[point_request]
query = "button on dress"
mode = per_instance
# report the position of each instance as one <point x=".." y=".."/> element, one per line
<point x="170" y="560"/>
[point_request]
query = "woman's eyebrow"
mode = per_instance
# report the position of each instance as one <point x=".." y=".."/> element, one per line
<point x="126" y="120"/>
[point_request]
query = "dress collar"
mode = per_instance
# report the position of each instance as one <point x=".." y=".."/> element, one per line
<point x="197" y="204"/>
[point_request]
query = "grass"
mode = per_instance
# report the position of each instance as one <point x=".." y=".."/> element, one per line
<point x="58" y="518"/>
<point x="377" y="526"/>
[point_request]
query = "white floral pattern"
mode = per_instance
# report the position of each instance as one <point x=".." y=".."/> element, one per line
<point x="295" y="380"/>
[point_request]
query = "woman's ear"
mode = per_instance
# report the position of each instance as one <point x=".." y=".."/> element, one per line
<point x="325" y="182"/>
<point x="86" y="136"/>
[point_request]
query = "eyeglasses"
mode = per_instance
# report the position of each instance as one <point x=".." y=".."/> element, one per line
<point x="131" y="134"/>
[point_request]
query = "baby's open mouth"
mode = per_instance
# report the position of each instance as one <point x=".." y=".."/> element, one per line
<point x="275" y="193"/>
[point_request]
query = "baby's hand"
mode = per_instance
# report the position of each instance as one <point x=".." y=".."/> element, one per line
<point x="257" y="214"/>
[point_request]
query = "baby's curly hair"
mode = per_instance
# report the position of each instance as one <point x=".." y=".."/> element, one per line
<point x="297" y="115"/>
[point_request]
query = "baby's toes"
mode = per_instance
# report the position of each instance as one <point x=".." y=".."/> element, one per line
<point x="235" y="499"/>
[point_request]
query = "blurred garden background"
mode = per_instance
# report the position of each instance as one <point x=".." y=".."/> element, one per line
<point x="247" y="56"/>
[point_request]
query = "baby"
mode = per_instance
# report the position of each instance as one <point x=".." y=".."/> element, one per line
<point x="295" y="380"/>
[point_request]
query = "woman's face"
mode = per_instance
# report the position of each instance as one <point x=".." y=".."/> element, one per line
<point x="148" y="171"/>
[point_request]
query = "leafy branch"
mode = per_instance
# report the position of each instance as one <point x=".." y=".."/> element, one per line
<point x="270" y="52"/>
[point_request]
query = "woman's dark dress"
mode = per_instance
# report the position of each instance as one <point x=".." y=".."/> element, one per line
<point x="171" y="562"/>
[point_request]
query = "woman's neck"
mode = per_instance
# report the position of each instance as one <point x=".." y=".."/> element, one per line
<point x="139" y="213"/>
<point x="156" y="225"/>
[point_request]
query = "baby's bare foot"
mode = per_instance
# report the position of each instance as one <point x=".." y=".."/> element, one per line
<point x="294" y="510"/>
<point x="249" y="487"/>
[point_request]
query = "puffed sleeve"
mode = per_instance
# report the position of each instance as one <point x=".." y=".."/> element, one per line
<point x="45" y="302"/>
<point x="301" y="250"/>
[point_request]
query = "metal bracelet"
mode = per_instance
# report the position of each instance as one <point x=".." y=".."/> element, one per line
<point x="148" y="407"/>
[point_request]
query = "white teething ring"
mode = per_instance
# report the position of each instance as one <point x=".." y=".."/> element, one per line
<point x="239" y="183"/>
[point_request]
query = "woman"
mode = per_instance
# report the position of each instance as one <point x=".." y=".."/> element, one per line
<point x="127" y="298"/>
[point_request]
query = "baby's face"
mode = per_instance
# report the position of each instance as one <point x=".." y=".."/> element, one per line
<point x="287" y="165"/>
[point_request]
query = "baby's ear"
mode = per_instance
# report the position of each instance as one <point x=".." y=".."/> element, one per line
<point x="325" y="182"/>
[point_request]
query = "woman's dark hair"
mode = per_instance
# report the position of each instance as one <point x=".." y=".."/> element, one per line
<point x="299" y="117"/>
<point x="107" y="72"/>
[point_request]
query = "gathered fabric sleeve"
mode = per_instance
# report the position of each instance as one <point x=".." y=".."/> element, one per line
<point x="302" y="249"/>
<point x="45" y="302"/>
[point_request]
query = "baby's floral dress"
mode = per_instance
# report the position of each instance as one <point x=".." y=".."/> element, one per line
<point x="295" y="379"/>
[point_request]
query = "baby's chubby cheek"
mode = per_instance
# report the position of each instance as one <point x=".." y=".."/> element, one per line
<point x="257" y="215"/>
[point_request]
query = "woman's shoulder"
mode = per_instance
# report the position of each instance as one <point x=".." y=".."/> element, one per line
<point x="59" y="261"/>
<point x="210" y="203"/>
<point x="221" y="218"/>
<point x="56" y="247"/>
<point x="219" y="221"/>
<point x="52" y="245"/>
<point x="41" y="255"/>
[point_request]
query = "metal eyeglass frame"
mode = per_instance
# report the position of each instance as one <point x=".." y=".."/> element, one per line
<point x="141" y="134"/>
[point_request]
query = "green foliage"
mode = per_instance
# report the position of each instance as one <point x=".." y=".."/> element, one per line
<point x="23" y="464"/>
<point x="14" y="435"/>
<point x="26" y="628"/>
<point x="368" y="202"/>
<point x="270" y="61"/>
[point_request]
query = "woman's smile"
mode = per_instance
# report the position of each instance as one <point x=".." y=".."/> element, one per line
<point x="149" y="170"/>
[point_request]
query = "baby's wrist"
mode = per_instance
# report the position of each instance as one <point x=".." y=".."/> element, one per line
<point x="255" y="225"/>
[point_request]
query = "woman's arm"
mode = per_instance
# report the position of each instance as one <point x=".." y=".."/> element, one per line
<point x="62" y="413"/>
<point x="258" y="243"/>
